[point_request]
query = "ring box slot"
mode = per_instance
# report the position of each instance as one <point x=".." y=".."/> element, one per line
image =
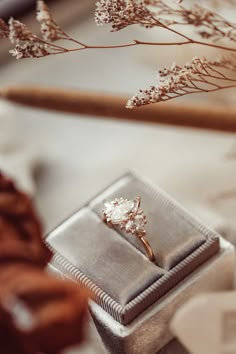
<point x="171" y="237"/>
<point x="113" y="265"/>
<point x="100" y="251"/>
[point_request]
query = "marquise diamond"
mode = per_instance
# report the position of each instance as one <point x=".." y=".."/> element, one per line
<point x="119" y="209"/>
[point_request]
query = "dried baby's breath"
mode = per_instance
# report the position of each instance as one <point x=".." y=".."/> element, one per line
<point x="158" y="13"/>
<point x="211" y="25"/>
<point x="27" y="44"/>
<point x="19" y="32"/>
<point x="200" y="75"/>
<point x="49" y="28"/>
<point x="30" y="50"/>
<point x="123" y="13"/>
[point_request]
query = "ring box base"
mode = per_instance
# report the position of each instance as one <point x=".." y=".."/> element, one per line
<point x="136" y="298"/>
<point x="149" y="333"/>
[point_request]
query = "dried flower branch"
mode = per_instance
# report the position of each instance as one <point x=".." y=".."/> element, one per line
<point x="123" y="13"/>
<point x="200" y="75"/>
<point x="167" y="15"/>
<point x="27" y="44"/>
<point x="212" y="25"/>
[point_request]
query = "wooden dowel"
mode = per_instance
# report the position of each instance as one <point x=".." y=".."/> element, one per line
<point x="110" y="106"/>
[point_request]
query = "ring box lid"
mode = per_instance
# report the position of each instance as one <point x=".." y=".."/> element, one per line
<point x="113" y="263"/>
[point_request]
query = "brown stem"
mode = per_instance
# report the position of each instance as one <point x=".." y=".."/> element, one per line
<point x="137" y="42"/>
<point x="62" y="49"/>
<point x="103" y="47"/>
<point x="178" y="33"/>
<point x="214" y="46"/>
<point x="218" y="88"/>
<point x="188" y="42"/>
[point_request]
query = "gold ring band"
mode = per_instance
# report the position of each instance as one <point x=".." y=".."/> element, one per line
<point x="148" y="248"/>
<point x="127" y="215"/>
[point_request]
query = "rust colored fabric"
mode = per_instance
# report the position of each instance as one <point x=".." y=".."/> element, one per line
<point x="43" y="314"/>
<point x="20" y="229"/>
<point x="38" y="313"/>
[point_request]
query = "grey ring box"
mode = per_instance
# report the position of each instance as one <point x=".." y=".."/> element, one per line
<point x="134" y="297"/>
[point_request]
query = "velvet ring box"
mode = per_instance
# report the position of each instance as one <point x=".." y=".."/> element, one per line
<point x="134" y="297"/>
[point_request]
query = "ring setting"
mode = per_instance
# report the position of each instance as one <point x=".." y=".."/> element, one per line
<point x="127" y="215"/>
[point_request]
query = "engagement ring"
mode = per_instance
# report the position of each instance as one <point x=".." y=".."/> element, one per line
<point x="127" y="215"/>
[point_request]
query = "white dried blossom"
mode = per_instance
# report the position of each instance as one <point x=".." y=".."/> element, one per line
<point x="43" y="12"/>
<point x="27" y="45"/>
<point x="16" y="52"/>
<point x="49" y="28"/>
<point x="30" y="50"/>
<point x="19" y="32"/>
<point x="123" y="13"/>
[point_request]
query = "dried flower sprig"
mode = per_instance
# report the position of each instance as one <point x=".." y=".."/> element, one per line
<point x="19" y="32"/>
<point x="27" y="44"/>
<point x="200" y="75"/>
<point x="121" y="13"/>
<point x="148" y="13"/>
<point x="49" y="28"/>
<point x="209" y="24"/>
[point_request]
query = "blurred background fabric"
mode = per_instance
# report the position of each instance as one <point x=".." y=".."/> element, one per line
<point x="64" y="160"/>
<point x="10" y="8"/>
<point x="13" y="8"/>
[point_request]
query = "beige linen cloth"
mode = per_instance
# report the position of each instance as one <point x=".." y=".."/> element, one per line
<point x="18" y="158"/>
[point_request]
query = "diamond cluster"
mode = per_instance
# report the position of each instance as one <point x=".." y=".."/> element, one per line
<point x="126" y="214"/>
